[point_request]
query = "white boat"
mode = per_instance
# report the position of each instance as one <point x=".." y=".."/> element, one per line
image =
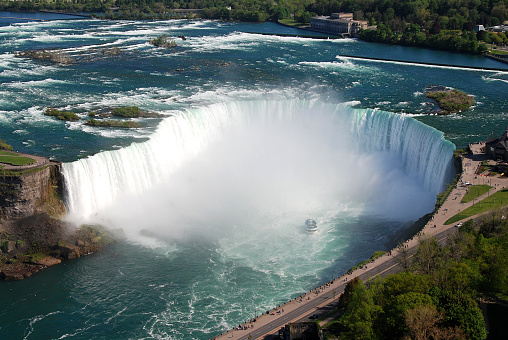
<point x="310" y="225"/>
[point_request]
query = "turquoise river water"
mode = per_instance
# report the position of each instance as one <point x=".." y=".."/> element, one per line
<point x="259" y="132"/>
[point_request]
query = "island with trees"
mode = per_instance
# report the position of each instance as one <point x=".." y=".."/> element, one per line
<point x="125" y="113"/>
<point x="449" y="100"/>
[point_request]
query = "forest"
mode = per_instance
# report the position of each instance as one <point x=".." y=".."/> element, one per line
<point x="450" y="14"/>
<point x="439" y="24"/>
<point x="438" y="295"/>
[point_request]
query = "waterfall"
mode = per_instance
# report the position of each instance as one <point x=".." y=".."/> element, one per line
<point x="97" y="181"/>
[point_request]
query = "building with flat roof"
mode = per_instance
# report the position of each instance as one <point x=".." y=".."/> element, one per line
<point x="338" y="23"/>
<point x="497" y="148"/>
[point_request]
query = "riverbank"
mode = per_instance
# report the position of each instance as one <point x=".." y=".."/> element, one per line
<point x="31" y="244"/>
<point x="503" y="60"/>
<point x="32" y="234"/>
<point x="323" y="299"/>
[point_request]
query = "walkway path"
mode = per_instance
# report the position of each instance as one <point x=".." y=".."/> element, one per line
<point x="39" y="161"/>
<point x="322" y="299"/>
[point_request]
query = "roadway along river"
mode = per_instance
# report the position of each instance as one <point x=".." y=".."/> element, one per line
<point x="324" y="303"/>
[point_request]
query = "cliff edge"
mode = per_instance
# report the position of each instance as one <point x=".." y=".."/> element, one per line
<point x="32" y="234"/>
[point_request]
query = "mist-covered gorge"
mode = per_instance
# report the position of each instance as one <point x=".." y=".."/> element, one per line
<point x="259" y="156"/>
<point x="260" y="132"/>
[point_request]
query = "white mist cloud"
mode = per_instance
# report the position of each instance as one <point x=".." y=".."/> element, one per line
<point x="271" y="170"/>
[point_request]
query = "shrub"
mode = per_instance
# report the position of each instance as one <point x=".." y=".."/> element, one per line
<point x="163" y="41"/>
<point x="55" y="56"/>
<point x="127" y="111"/>
<point x="132" y="112"/>
<point x="113" y="123"/>
<point x="4" y="145"/>
<point x="61" y="115"/>
<point x="451" y="101"/>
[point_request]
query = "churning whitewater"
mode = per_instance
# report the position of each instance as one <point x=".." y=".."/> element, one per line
<point x="257" y="138"/>
<point x="263" y="155"/>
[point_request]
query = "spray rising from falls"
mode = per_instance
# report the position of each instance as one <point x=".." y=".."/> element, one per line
<point x="265" y="154"/>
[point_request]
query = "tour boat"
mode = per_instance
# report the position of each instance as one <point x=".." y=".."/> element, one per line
<point x="310" y="225"/>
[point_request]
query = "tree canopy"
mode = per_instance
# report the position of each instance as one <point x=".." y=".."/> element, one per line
<point x="438" y="296"/>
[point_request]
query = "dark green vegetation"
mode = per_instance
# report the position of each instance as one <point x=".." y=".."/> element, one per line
<point x="485" y="166"/>
<point x="430" y="16"/>
<point x="438" y="295"/>
<point x="416" y="35"/>
<point x="54" y="56"/>
<point x="4" y="145"/>
<point x="113" y="123"/>
<point x="133" y="112"/>
<point x="163" y="41"/>
<point x="123" y="112"/>
<point x="371" y="259"/>
<point x="439" y="24"/>
<point x="441" y="197"/>
<point x="451" y="101"/>
<point x="61" y="115"/>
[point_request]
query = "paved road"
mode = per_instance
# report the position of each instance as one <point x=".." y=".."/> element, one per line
<point x="326" y="301"/>
<point x="322" y="299"/>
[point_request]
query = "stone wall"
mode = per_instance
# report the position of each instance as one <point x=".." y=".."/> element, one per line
<point x="23" y="193"/>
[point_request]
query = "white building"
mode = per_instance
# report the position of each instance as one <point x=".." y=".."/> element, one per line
<point x="479" y="28"/>
<point x="338" y="23"/>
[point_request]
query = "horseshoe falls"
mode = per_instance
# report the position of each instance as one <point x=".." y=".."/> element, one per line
<point x="287" y="157"/>
<point x="259" y="133"/>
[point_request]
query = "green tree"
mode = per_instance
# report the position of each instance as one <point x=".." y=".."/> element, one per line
<point x="358" y="320"/>
<point x="423" y="321"/>
<point x="345" y="298"/>
<point x="4" y="145"/>
<point x="460" y="311"/>
<point x="429" y="257"/>
<point x="397" y="309"/>
<point x="436" y="28"/>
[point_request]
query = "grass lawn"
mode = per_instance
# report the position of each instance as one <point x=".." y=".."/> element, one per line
<point x="494" y="52"/>
<point x="494" y="201"/>
<point x="291" y="22"/>
<point x="474" y="192"/>
<point x="14" y="159"/>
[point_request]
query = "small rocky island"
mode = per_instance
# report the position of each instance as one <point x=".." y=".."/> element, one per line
<point x="102" y="118"/>
<point x="32" y="234"/>
<point x="449" y="100"/>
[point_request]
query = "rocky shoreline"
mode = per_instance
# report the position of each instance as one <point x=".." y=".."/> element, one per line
<point x="36" y="242"/>
<point x="33" y="235"/>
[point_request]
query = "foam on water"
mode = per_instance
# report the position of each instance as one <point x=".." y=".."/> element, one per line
<point x="36" y="83"/>
<point x="111" y="181"/>
<point x="335" y="65"/>
<point x="217" y="235"/>
<point x="421" y="65"/>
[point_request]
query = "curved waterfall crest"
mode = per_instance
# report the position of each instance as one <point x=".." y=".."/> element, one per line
<point x="97" y="181"/>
